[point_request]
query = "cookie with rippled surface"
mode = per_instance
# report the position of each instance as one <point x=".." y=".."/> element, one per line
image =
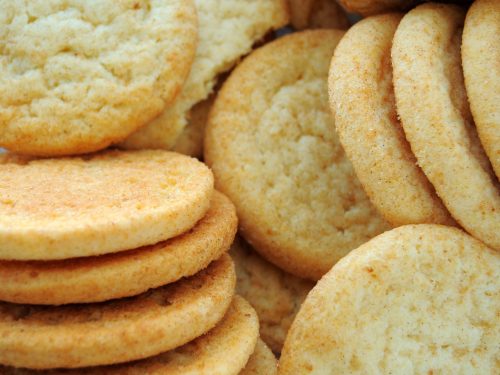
<point x="432" y="105"/>
<point x="272" y="146"/>
<point x="127" y="273"/>
<point x="419" y="299"/>
<point x="101" y="203"/>
<point x="236" y="334"/>
<point x="317" y="14"/>
<point x="480" y="56"/>
<point x="42" y="337"/>
<point x="227" y="31"/>
<point x="362" y="100"/>
<point x="105" y="71"/>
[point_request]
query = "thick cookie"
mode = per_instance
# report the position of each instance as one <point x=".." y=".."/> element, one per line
<point x="317" y="14"/>
<point x="261" y="362"/>
<point x="41" y="337"/>
<point x="227" y="31"/>
<point x="272" y="146"/>
<point x="370" y="7"/>
<point x="78" y="76"/>
<point x="236" y="334"/>
<point x="274" y="294"/>
<point x="432" y="104"/>
<point x="420" y="299"/>
<point x="102" y="203"/>
<point x="362" y="100"/>
<point x="480" y="59"/>
<point x="127" y="273"/>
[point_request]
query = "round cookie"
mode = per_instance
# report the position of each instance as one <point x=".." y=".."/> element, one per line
<point x="317" y="14"/>
<point x="104" y="72"/>
<point x="272" y="146"/>
<point x="433" y="108"/>
<point x="41" y="337"/>
<point x="362" y="100"/>
<point x="370" y="7"/>
<point x="102" y="203"/>
<point x="274" y="294"/>
<point x="480" y="57"/>
<point x="227" y="31"/>
<point x="420" y="299"/>
<point x="261" y="362"/>
<point x="127" y="273"/>
<point x="236" y="333"/>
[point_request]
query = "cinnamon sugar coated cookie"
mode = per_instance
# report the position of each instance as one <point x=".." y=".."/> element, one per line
<point x="41" y="337"/>
<point x="421" y="299"/>
<point x="480" y="59"/>
<point x="102" y="203"/>
<point x="436" y="118"/>
<point x="227" y="31"/>
<point x="362" y="99"/>
<point x="77" y="77"/>
<point x="261" y="362"/>
<point x="272" y="146"/>
<point x="127" y="273"/>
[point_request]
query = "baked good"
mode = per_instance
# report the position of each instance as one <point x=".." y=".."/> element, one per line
<point x="317" y="14"/>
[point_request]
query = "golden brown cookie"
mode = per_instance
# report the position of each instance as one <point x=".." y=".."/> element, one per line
<point x="78" y="76"/>
<point x="227" y="31"/>
<point x="272" y="146"/>
<point x="432" y="104"/>
<point x="261" y="362"/>
<point x="370" y="7"/>
<point x="127" y="273"/>
<point x="42" y="337"/>
<point x="362" y="100"/>
<point x="98" y="204"/>
<point x="274" y="294"/>
<point x="480" y="59"/>
<point x="420" y="299"/>
<point x="317" y="14"/>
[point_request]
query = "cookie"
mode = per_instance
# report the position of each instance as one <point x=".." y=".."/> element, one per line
<point x="422" y="299"/>
<point x="370" y="7"/>
<point x="227" y="31"/>
<point x="98" y="204"/>
<point x="362" y="100"/>
<point x="208" y="354"/>
<point x="432" y="104"/>
<point x="127" y="273"/>
<point x="480" y="56"/>
<point x="42" y="337"/>
<point x="317" y="14"/>
<point x="104" y="72"/>
<point x="272" y="146"/>
<point x="274" y="294"/>
<point x="261" y="362"/>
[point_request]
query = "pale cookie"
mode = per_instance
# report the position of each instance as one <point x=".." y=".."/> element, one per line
<point x="362" y="100"/>
<point x="435" y="115"/>
<point x="222" y="351"/>
<point x="370" y="7"/>
<point x="316" y="14"/>
<point x="227" y="31"/>
<point x="274" y="294"/>
<point x="481" y="64"/>
<point x="102" y="203"/>
<point x="272" y="145"/>
<point x="261" y="362"/>
<point x="116" y="331"/>
<point x="76" y="76"/>
<point x="128" y="273"/>
<point x="420" y="299"/>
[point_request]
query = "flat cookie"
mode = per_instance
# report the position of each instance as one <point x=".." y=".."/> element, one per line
<point x="370" y="7"/>
<point x="435" y="115"/>
<point x="272" y="146"/>
<point x="102" y="203"/>
<point x="480" y="57"/>
<point x="42" y="337"/>
<point x="236" y="333"/>
<point x="362" y="99"/>
<point x="317" y="14"/>
<point x="261" y="362"/>
<point x="227" y="31"/>
<point x="106" y="70"/>
<point x="274" y="294"/>
<point x="124" y="274"/>
<point x="420" y="299"/>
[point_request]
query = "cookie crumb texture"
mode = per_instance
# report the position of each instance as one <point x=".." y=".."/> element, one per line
<point x="76" y="76"/>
